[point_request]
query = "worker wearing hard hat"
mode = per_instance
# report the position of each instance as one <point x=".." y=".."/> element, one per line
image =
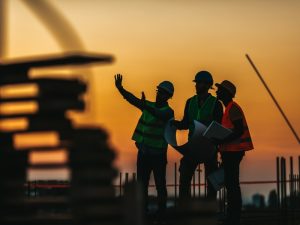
<point x="149" y="137"/>
<point x="233" y="149"/>
<point x="204" y="108"/>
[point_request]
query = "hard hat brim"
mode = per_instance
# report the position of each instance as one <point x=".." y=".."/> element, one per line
<point x="165" y="89"/>
<point x="201" y="80"/>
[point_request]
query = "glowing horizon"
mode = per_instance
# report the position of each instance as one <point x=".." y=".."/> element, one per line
<point x="158" y="40"/>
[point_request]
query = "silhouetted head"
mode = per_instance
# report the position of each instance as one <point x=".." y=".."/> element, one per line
<point x="204" y="82"/>
<point x="226" y="91"/>
<point x="165" y="91"/>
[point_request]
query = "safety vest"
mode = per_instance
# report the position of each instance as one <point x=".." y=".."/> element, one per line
<point x="150" y="130"/>
<point x="203" y="114"/>
<point x="243" y="143"/>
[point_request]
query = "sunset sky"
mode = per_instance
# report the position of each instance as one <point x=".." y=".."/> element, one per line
<point x="161" y="40"/>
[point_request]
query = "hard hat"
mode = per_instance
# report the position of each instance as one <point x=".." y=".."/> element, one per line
<point x="167" y="86"/>
<point x="230" y="87"/>
<point x="204" y="76"/>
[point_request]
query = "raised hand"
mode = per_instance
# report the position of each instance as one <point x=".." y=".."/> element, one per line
<point x="118" y="80"/>
<point x="143" y="98"/>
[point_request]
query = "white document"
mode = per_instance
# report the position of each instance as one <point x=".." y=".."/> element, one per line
<point x="199" y="130"/>
<point x="216" y="130"/>
<point x="198" y="147"/>
<point x="170" y="132"/>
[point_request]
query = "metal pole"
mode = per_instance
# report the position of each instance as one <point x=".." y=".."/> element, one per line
<point x="285" y="182"/>
<point x="175" y="181"/>
<point x="299" y="165"/>
<point x="291" y="178"/>
<point x="282" y="205"/>
<point x="120" y="184"/>
<point x="134" y="177"/>
<point x="278" y="181"/>
<point x="292" y="189"/>
<point x="126" y="178"/>
<point x="281" y="183"/>
<point x="273" y="98"/>
<point x="298" y="185"/>
<point x="299" y="176"/>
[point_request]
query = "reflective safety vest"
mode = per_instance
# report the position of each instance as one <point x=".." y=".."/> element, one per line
<point x="150" y="130"/>
<point x="203" y="114"/>
<point x="243" y="143"/>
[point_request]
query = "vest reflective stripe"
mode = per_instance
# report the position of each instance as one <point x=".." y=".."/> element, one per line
<point x="244" y="143"/>
<point x="203" y="114"/>
<point x="150" y="130"/>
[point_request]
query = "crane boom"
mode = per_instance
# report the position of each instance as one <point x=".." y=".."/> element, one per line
<point x="273" y="98"/>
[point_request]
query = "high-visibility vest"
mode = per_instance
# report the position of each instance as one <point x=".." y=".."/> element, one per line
<point x="150" y="130"/>
<point x="203" y="114"/>
<point x="243" y="143"/>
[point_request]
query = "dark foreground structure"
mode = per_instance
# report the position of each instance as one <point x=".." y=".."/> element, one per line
<point x="91" y="199"/>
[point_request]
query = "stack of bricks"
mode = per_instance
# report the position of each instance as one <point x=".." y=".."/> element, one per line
<point x="43" y="112"/>
<point x="93" y="195"/>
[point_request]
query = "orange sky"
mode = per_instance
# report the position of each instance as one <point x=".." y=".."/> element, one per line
<point x="172" y="40"/>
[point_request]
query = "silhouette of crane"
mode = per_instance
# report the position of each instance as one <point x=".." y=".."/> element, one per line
<point x="273" y="98"/>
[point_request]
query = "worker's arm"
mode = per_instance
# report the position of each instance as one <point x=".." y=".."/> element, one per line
<point x="237" y="131"/>
<point x="218" y="112"/>
<point x="164" y="115"/>
<point x="139" y="103"/>
<point x="184" y="123"/>
<point x="236" y="118"/>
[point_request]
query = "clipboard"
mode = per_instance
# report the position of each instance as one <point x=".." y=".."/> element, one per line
<point x="217" y="131"/>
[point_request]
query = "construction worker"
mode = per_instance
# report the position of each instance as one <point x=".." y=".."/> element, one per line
<point x="149" y="138"/>
<point x="204" y="108"/>
<point x="233" y="149"/>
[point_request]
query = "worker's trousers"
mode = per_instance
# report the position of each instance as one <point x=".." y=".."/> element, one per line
<point x="187" y="169"/>
<point x="231" y="163"/>
<point x="149" y="161"/>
